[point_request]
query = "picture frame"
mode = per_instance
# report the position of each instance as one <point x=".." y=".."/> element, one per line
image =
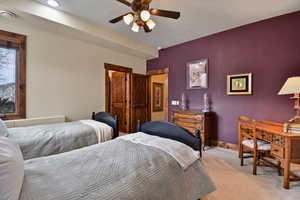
<point x="197" y="74"/>
<point x="158" y="97"/>
<point x="239" y="84"/>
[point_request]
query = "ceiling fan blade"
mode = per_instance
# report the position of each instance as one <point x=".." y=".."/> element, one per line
<point x="125" y="2"/>
<point x="117" y="19"/>
<point x="146" y="1"/>
<point x="165" y="13"/>
<point x="146" y="28"/>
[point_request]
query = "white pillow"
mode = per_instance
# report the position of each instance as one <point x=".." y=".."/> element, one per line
<point x="11" y="169"/>
<point x="3" y="129"/>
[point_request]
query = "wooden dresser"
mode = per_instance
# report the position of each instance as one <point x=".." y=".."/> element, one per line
<point x="193" y="120"/>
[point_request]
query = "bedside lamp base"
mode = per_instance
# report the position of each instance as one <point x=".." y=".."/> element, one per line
<point x="296" y="119"/>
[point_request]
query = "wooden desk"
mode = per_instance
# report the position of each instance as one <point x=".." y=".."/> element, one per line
<point x="284" y="146"/>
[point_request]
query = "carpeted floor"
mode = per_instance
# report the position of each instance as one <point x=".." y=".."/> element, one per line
<point x="234" y="182"/>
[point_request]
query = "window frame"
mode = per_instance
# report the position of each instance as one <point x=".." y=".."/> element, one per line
<point x="18" y="42"/>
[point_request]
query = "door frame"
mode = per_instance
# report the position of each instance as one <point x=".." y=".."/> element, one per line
<point x="111" y="67"/>
<point x="150" y="73"/>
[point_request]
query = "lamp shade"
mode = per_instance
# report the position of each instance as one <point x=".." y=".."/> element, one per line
<point x="291" y="86"/>
<point x="135" y="27"/>
<point x="128" y="19"/>
<point x="151" y="24"/>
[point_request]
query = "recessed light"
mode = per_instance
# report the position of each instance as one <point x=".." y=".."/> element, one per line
<point x="7" y="14"/>
<point x="53" y="3"/>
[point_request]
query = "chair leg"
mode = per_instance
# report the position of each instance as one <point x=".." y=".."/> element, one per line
<point x="279" y="168"/>
<point x="254" y="162"/>
<point x="240" y="150"/>
<point x="241" y="154"/>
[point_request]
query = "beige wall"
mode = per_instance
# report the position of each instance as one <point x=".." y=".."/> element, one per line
<point x="162" y="78"/>
<point x="66" y="76"/>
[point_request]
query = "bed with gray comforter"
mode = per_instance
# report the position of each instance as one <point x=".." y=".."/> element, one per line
<point x="44" y="140"/>
<point x="117" y="169"/>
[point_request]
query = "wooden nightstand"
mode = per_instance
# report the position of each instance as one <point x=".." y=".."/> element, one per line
<point x="193" y="120"/>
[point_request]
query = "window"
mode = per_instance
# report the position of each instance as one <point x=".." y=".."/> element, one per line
<point x="12" y="75"/>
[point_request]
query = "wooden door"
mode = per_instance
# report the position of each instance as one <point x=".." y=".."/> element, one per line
<point x="140" y="99"/>
<point x="118" y="98"/>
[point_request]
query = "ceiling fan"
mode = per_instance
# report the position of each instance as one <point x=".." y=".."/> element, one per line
<point x="141" y="15"/>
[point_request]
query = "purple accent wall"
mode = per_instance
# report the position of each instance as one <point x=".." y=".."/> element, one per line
<point x="270" y="49"/>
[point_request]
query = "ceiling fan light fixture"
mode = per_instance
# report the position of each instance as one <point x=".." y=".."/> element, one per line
<point x="128" y="19"/>
<point x="135" y="27"/>
<point x="145" y="15"/>
<point x="151" y="24"/>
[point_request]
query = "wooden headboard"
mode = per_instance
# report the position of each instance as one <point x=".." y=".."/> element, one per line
<point x="172" y="131"/>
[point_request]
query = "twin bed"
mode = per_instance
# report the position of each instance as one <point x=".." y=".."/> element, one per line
<point x="159" y="162"/>
<point x="49" y="139"/>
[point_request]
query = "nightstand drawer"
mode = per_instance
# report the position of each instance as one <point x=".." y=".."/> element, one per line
<point x="196" y="125"/>
<point x="188" y="117"/>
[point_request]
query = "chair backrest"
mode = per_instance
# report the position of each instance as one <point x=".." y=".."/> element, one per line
<point x="247" y="128"/>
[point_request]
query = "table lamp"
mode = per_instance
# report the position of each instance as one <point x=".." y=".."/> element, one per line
<point x="292" y="86"/>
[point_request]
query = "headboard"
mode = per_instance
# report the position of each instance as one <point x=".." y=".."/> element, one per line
<point x="108" y="119"/>
<point x="172" y="131"/>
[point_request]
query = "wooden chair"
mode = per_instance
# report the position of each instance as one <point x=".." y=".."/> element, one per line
<point x="248" y="143"/>
<point x="271" y="164"/>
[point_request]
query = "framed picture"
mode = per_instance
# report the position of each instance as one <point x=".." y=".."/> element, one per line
<point x="239" y="84"/>
<point x="158" y="97"/>
<point x="197" y="74"/>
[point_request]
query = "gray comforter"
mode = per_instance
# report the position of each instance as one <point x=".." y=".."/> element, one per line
<point x="44" y="140"/>
<point x="116" y="169"/>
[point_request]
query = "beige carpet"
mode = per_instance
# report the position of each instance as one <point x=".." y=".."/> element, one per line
<point x="237" y="183"/>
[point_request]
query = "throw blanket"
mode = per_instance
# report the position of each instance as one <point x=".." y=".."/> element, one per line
<point x="44" y="140"/>
<point x="184" y="154"/>
<point x="103" y="131"/>
<point x="113" y="170"/>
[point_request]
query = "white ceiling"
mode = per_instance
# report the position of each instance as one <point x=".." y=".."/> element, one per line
<point x="198" y="17"/>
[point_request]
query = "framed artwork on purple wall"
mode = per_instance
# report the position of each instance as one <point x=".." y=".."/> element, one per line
<point x="158" y="97"/>
<point x="197" y="74"/>
<point x="239" y="84"/>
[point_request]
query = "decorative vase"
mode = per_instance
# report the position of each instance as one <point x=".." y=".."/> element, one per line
<point x="206" y="103"/>
<point x="183" y="102"/>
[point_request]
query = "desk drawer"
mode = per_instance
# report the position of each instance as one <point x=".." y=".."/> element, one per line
<point x="278" y="140"/>
<point x="264" y="136"/>
<point x="277" y="151"/>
